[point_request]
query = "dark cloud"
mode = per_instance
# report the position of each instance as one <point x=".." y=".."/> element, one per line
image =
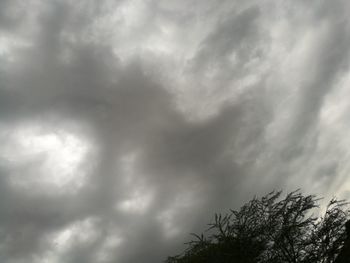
<point x="237" y="34"/>
<point x="125" y="125"/>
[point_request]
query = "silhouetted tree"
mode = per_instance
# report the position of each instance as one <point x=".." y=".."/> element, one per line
<point x="272" y="229"/>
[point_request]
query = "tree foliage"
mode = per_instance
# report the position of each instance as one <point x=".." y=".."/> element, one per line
<point x="272" y="229"/>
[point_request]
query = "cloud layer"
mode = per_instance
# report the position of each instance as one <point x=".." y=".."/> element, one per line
<point x="125" y="125"/>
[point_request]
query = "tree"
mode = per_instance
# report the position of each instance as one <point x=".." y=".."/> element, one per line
<point x="272" y="229"/>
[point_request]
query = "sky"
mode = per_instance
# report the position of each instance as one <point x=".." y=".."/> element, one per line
<point x="126" y="125"/>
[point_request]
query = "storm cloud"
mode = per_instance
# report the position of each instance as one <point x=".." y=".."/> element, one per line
<point x="125" y="125"/>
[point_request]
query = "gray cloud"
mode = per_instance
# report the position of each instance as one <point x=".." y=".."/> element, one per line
<point x="125" y="125"/>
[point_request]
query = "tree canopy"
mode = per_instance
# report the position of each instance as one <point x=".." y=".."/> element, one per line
<point x="272" y="229"/>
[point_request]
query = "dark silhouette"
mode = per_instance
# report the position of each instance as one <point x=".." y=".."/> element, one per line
<point x="274" y="229"/>
<point x="344" y="255"/>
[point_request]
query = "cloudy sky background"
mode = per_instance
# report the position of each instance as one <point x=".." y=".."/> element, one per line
<point x="125" y="125"/>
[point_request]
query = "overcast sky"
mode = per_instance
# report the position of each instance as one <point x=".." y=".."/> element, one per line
<point x="125" y="125"/>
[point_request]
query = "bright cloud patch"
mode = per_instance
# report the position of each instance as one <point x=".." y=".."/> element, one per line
<point x="137" y="203"/>
<point x="47" y="158"/>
